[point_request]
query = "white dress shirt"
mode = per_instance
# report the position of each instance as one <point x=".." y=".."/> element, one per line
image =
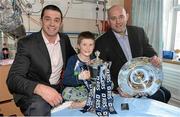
<point x="55" y="54"/>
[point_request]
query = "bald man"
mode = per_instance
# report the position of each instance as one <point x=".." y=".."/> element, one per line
<point x="121" y="43"/>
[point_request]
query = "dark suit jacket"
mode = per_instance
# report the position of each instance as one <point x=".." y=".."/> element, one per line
<point x="110" y="49"/>
<point x="32" y="64"/>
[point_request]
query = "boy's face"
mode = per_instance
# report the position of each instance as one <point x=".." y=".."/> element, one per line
<point x="86" y="47"/>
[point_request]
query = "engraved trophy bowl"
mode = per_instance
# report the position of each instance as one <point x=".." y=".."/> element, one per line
<point x="139" y="76"/>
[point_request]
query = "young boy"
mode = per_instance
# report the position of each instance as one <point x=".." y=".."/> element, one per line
<point x="77" y="71"/>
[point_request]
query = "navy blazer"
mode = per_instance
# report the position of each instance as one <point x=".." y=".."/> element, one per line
<point x="110" y="49"/>
<point x="32" y="64"/>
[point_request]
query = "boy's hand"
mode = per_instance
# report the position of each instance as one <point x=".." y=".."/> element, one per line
<point x="84" y="75"/>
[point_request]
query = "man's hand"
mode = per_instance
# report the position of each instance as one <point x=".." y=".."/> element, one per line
<point x="123" y="94"/>
<point x="49" y="94"/>
<point x="156" y="61"/>
<point x="141" y="94"/>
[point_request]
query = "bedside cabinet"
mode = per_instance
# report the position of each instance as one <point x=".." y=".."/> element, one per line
<point x="7" y="105"/>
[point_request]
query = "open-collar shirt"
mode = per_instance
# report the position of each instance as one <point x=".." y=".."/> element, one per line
<point x="124" y="43"/>
<point x="55" y="54"/>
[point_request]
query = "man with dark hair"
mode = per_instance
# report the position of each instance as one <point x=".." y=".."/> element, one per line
<point x="35" y="75"/>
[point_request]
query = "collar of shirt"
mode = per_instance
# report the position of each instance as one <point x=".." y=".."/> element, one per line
<point x="46" y="40"/>
<point x="120" y="35"/>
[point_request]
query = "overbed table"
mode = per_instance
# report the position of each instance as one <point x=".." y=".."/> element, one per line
<point x="137" y="108"/>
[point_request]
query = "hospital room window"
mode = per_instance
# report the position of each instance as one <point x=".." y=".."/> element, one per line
<point x="171" y="25"/>
<point x="173" y="41"/>
<point x="177" y="34"/>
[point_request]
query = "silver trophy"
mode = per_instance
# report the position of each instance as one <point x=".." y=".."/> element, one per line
<point x="95" y="66"/>
<point x="101" y="87"/>
<point x="139" y="76"/>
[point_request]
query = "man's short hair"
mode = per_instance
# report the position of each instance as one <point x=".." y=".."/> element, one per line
<point x="51" y="7"/>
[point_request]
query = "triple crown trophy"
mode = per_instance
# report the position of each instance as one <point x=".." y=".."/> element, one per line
<point x="100" y="87"/>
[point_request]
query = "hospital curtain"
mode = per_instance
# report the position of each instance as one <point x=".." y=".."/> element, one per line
<point x="149" y="15"/>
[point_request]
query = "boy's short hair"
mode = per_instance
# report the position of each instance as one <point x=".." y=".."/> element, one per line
<point x="85" y="34"/>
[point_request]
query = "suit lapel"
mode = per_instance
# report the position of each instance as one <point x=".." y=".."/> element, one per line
<point x="42" y="47"/>
<point x="132" y="41"/>
<point x="63" y="48"/>
<point x="116" y="47"/>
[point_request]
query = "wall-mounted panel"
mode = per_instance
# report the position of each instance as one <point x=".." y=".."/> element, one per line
<point x="75" y="8"/>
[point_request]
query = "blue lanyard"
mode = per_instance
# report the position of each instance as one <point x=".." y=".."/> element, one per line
<point x="100" y="100"/>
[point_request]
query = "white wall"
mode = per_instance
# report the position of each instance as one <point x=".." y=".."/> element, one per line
<point x="81" y="15"/>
